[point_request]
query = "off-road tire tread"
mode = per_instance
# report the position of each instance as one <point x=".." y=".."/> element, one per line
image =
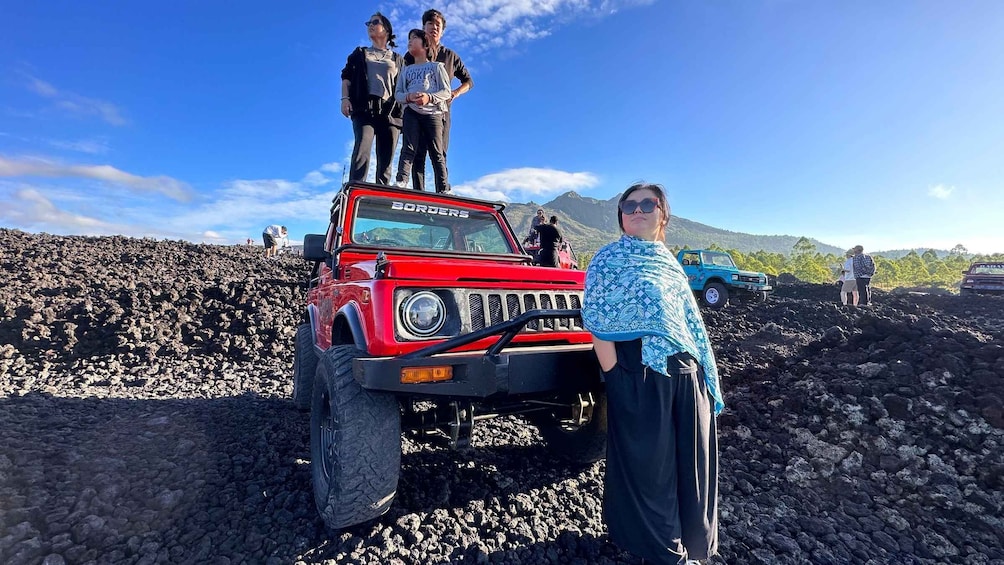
<point x="365" y="458"/>
<point x="304" y="367"/>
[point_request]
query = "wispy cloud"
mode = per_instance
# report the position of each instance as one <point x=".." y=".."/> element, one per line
<point x="75" y="103"/>
<point x="940" y="191"/>
<point x="30" y="208"/>
<point x="526" y="183"/>
<point x="89" y="146"/>
<point x="480" y="26"/>
<point x="167" y="186"/>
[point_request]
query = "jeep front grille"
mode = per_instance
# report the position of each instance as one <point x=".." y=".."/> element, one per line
<point x="504" y="306"/>
<point x="749" y="279"/>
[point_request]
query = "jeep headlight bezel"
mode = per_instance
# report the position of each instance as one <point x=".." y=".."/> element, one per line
<point x="423" y="314"/>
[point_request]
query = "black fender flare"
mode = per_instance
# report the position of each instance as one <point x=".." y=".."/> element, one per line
<point x="349" y="314"/>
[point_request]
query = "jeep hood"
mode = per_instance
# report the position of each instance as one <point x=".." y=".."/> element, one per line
<point x="461" y="271"/>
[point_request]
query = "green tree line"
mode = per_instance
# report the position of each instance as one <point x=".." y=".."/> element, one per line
<point x="809" y="265"/>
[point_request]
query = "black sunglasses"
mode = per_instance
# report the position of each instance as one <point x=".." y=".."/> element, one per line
<point x="647" y="206"/>
<point x="374" y="23"/>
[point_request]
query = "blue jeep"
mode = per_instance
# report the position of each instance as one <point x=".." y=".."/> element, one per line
<point x="714" y="277"/>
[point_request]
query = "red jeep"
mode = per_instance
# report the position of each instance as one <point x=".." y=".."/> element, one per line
<point x="425" y="315"/>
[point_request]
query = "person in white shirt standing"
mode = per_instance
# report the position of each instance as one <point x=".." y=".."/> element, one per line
<point x="848" y="285"/>
<point x="273" y="236"/>
<point x="425" y="87"/>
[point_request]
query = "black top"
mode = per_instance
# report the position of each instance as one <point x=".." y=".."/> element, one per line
<point x="550" y="237"/>
<point x="359" y="89"/>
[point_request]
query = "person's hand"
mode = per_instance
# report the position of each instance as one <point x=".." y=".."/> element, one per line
<point x="346" y="107"/>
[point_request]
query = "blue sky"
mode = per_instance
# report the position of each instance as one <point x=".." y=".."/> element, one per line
<point x="879" y="123"/>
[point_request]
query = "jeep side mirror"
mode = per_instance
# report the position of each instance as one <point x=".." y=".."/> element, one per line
<point x="313" y="248"/>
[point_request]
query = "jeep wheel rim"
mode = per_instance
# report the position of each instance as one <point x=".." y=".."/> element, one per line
<point x="326" y="437"/>
<point x="712" y="296"/>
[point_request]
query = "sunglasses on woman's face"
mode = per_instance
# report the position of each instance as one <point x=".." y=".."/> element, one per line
<point x="374" y="23"/>
<point x="647" y="206"/>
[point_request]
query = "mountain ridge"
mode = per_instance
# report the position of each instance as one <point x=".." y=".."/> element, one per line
<point x="589" y="223"/>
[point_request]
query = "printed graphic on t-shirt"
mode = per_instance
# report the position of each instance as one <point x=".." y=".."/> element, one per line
<point x="421" y="74"/>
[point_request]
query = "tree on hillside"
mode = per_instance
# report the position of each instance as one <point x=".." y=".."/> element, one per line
<point x="803" y="247"/>
<point x="959" y="249"/>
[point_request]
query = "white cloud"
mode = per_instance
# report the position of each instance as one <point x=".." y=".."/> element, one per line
<point x="315" y="178"/>
<point x="526" y="183"/>
<point x="480" y="26"/>
<point x="90" y="146"/>
<point x="29" y="208"/>
<point x="331" y="168"/>
<point x="75" y="103"/>
<point x="24" y="167"/>
<point x="941" y="191"/>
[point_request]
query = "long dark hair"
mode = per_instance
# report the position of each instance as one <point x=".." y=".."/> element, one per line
<point x="660" y="195"/>
<point x="388" y="27"/>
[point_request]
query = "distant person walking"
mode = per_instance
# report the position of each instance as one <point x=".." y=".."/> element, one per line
<point x="274" y="237"/>
<point x="434" y="24"/>
<point x="848" y="284"/>
<point x="660" y="489"/>
<point x="864" y="270"/>
<point x="368" y="82"/>
<point x="425" y="88"/>
<point x="550" y="239"/>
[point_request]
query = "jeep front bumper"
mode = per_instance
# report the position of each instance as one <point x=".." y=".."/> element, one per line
<point x="499" y="371"/>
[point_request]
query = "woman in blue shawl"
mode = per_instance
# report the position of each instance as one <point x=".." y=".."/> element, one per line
<point x="660" y="497"/>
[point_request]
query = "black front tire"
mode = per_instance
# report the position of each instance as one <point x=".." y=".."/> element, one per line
<point x="715" y="295"/>
<point x="304" y="367"/>
<point x="355" y="443"/>
<point x="578" y="444"/>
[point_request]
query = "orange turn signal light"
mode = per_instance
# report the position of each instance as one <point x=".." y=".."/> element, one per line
<point x="426" y="374"/>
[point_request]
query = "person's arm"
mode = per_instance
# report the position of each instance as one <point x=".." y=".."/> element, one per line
<point x="466" y="82"/>
<point x="401" y="90"/>
<point x="606" y="353"/>
<point x="347" y="73"/>
<point x="442" y="92"/>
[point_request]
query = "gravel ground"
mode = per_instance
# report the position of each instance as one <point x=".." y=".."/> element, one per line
<point x="145" y="418"/>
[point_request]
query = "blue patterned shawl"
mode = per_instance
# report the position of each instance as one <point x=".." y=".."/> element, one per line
<point x="637" y="289"/>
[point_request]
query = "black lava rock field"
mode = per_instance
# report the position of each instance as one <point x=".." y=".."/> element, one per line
<point x="145" y="417"/>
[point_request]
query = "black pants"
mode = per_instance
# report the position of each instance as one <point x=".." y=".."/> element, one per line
<point x="864" y="290"/>
<point x="366" y="129"/>
<point x="418" y="167"/>
<point x="428" y="130"/>
<point x="660" y="498"/>
<point x="549" y="258"/>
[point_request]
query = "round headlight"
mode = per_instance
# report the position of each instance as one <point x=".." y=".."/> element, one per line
<point x="423" y="313"/>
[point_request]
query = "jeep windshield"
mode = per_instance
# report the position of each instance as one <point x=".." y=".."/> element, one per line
<point x="717" y="259"/>
<point x="987" y="269"/>
<point x="396" y="223"/>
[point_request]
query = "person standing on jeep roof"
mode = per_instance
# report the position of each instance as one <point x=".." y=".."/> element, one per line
<point x="272" y="236"/>
<point x="660" y="495"/>
<point x="434" y="24"/>
<point x="534" y="236"/>
<point x="864" y="270"/>
<point x="425" y="88"/>
<point x="550" y="238"/>
<point x="368" y="82"/>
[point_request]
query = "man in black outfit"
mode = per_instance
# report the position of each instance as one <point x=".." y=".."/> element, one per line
<point x="550" y="239"/>
<point x="434" y="23"/>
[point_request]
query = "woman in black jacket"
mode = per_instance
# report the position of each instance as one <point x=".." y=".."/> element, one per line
<point x="368" y="82"/>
